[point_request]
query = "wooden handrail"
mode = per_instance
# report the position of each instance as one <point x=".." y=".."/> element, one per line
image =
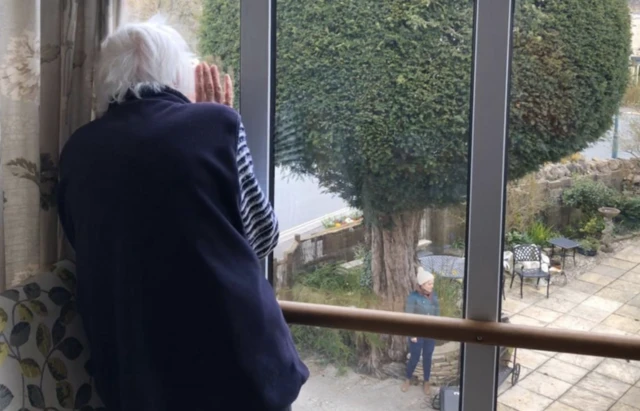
<point x="453" y="329"/>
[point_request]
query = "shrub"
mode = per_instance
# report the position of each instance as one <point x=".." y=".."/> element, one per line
<point x="587" y="196"/>
<point x="590" y="244"/>
<point x="593" y="227"/>
<point x="539" y="234"/>
<point x="525" y="202"/>
<point x="515" y="237"/>
<point x="449" y="293"/>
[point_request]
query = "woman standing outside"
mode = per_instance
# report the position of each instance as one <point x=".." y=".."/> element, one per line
<point x="423" y="301"/>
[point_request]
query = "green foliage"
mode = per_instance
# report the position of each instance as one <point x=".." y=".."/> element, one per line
<point x="588" y="195"/>
<point x="373" y="97"/>
<point x="333" y="284"/>
<point x="593" y="227"/>
<point x="630" y="209"/>
<point x="540" y="234"/>
<point x="590" y="244"/>
<point x="449" y="294"/>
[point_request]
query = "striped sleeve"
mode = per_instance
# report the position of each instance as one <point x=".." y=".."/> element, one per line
<point x="259" y="220"/>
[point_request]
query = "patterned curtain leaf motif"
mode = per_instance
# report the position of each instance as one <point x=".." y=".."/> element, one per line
<point x="45" y="350"/>
<point x="20" y="68"/>
<point x="46" y="178"/>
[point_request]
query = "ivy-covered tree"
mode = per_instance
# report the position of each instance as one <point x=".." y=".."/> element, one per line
<point x="373" y="99"/>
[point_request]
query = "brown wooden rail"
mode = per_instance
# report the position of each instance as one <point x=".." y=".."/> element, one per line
<point x="452" y="329"/>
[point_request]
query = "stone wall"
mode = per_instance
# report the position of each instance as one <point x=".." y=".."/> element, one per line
<point x="445" y="364"/>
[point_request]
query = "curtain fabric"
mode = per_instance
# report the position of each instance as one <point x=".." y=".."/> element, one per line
<point x="48" y="50"/>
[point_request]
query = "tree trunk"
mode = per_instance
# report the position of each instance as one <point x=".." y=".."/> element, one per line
<point x="394" y="264"/>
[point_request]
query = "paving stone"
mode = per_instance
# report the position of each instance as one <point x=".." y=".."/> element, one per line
<point x="632" y="397"/>
<point x="586" y="400"/>
<point x="602" y="303"/>
<point x="589" y="313"/>
<point x="632" y="276"/>
<point x="604" y="385"/>
<point x="584" y="361"/>
<point x="524" y="320"/>
<point x="531" y="359"/>
<point x="544" y="385"/>
<point x="557" y="304"/>
<point x="635" y="301"/>
<point x="514" y="306"/>
<point x="629" y="311"/>
<point x="617" y="263"/>
<point x="621" y="296"/>
<point x="558" y="406"/>
<point x="605" y="329"/>
<point x="630" y="253"/>
<point x="521" y="399"/>
<point x="609" y="271"/>
<point x="623" y="407"/>
<point x="571" y="295"/>
<point x="541" y="314"/>
<point x="502" y="407"/>
<point x="570" y="322"/>
<point x="626" y="324"/>
<point x="621" y="371"/>
<point x="585" y="286"/>
<point x="563" y="371"/>
<point x="622" y="284"/>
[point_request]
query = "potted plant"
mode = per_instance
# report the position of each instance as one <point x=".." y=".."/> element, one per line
<point x="589" y="247"/>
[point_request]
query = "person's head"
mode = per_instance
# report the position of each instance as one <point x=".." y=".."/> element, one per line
<point x="138" y="56"/>
<point x="425" y="280"/>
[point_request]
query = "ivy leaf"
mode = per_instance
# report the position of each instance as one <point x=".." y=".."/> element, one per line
<point x="39" y="308"/>
<point x="64" y="393"/>
<point x="71" y="348"/>
<point x="20" y="334"/>
<point x="12" y="295"/>
<point x="32" y="291"/>
<point x="60" y="295"/>
<point x="58" y="332"/>
<point x="4" y="352"/>
<point x="6" y="396"/>
<point x="57" y="368"/>
<point x="68" y="278"/>
<point x="30" y="368"/>
<point x="24" y="313"/>
<point x="43" y="339"/>
<point x="68" y="313"/>
<point x="83" y="396"/>
<point x="36" y="398"/>
<point x="3" y="319"/>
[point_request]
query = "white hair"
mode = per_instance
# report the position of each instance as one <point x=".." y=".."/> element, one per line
<point x="138" y="56"/>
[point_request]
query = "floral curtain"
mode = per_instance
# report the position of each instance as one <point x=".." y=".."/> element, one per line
<point x="47" y="55"/>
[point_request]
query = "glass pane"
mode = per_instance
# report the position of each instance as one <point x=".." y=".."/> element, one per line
<point x="371" y="142"/>
<point x="572" y="255"/>
<point x="211" y="28"/>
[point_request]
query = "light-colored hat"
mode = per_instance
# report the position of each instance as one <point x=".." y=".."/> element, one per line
<point x="424" y="276"/>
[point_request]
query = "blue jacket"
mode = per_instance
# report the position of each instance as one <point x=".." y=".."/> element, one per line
<point x="419" y="304"/>
<point x="176" y="307"/>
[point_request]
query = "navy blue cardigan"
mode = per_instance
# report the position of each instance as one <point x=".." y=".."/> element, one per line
<point x="176" y="308"/>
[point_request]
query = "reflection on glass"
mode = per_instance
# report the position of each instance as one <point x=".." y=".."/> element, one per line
<point x="569" y="202"/>
<point x="372" y="109"/>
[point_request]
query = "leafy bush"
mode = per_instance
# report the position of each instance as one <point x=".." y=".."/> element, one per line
<point x="539" y="234"/>
<point x="592" y="227"/>
<point x="515" y="237"/>
<point x="630" y="209"/>
<point x="590" y="244"/>
<point x="587" y="196"/>
<point x="449" y="293"/>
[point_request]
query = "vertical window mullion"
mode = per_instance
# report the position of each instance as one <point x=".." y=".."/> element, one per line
<point x="255" y="87"/>
<point x="492" y="50"/>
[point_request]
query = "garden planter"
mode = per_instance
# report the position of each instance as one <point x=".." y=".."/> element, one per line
<point x="588" y="253"/>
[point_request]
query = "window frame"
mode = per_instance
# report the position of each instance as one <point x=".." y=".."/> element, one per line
<point x="492" y="35"/>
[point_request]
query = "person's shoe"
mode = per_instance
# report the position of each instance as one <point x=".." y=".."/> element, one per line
<point x="427" y="388"/>
<point x="405" y="385"/>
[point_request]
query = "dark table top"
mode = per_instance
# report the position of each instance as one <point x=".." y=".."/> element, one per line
<point x="564" y="243"/>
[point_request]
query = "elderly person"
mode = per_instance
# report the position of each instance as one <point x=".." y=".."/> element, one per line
<point x="159" y="200"/>
<point x="423" y="301"/>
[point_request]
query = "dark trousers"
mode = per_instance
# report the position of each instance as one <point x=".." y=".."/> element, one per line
<point x="424" y="346"/>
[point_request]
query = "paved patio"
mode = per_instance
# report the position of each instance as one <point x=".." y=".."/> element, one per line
<point x="604" y="299"/>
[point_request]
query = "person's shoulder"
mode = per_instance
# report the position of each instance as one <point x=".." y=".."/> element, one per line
<point x="413" y="294"/>
<point x="215" y="112"/>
